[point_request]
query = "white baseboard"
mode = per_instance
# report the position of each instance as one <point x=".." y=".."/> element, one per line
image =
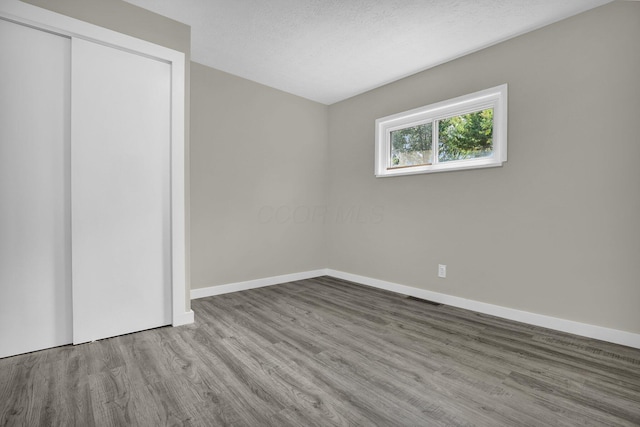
<point x="183" y="319"/>
<point x="252" y="284"/>
<point x="591" y="331"/>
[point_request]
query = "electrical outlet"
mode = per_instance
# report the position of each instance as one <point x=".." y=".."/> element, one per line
<point x="442" y="270"/>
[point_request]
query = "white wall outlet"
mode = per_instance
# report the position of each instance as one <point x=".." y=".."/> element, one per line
<point x="442" y="270"/>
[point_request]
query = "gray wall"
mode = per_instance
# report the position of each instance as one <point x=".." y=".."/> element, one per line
<point x="125" y="18"/>
<point x="258" y="180"/>
<point x="134" y="21"/>
<point x="556" y="231"/>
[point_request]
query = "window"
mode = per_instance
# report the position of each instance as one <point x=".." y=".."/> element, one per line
<point x="462" y="133"/>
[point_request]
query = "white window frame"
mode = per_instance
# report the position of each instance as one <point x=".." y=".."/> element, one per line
<point x="495" y="98"/>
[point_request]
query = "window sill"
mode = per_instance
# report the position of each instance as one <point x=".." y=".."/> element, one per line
<point x="441" y="167"/>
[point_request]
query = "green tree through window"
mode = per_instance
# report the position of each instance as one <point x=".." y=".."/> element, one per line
<point x="467" y="136"/>
<point x="412" y="146"/>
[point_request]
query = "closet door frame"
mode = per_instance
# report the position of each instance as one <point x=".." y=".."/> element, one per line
<point x="43" y="19"/>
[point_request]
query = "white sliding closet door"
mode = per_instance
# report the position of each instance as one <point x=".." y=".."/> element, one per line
<point x="120" y="192"/>
<point x="35" y="276"/>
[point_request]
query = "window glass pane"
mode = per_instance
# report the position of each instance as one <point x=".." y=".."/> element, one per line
<point x="467" y="136"/>
<point x="411" y="146"/>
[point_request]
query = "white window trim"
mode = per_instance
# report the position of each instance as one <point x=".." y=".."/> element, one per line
<point x="495" y="97"/>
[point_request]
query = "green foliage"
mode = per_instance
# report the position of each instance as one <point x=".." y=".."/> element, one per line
<point x="466" y="136"/>
<point x="461" y="137"/>
<point x="407" y="145"/>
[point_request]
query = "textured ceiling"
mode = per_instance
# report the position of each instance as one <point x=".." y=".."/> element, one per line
<point x="330" y="50"/>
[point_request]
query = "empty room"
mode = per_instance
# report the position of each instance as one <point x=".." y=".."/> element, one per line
<point x="319" y="213"/>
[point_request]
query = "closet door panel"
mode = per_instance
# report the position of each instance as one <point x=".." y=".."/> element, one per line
<point x="120" y="192"/>
<point x="35" y="276"/>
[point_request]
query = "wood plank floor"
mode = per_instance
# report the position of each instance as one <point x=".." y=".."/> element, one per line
<point x="326" y="352"/>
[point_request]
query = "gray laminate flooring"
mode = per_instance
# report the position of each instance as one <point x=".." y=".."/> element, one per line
<point x="326" y="352"/>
